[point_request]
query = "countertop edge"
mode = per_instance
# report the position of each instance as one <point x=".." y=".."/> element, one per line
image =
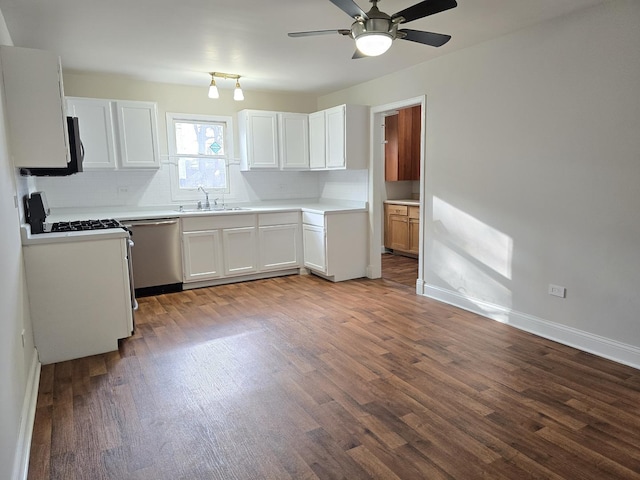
<point x="59" y="215"/>
<point x="29" y="238"/>
<point x="411" y="203"/>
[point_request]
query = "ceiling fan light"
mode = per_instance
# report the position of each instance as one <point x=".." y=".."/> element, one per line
<point x="374" y="43"/>
<point x="238" y="95"/>
<point x="213" y="90"/>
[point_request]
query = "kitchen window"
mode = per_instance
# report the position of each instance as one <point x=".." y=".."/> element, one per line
<point x="199" y="150"/>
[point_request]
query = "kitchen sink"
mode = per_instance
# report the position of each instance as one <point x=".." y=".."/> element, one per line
<point x="194" y="209"/>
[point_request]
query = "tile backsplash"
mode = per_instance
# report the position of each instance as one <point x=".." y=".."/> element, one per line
<point x="153" y="188"/>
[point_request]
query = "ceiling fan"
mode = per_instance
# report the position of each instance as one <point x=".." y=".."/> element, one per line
<point x="375" y="31"/>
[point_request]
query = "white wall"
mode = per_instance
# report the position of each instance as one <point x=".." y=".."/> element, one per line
<point x="532" y="171"/>
<point x="16" y="361"/>
<point x="148" y="188"/>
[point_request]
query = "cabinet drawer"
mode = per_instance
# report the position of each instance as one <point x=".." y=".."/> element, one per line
<point x="279" y="218"/>
<point x="414" y="212"/>
<point x="195" y="224"/>
<point x="316" y="219"/>
<point x="211" y="222"/>
<point x="396" y="209"/>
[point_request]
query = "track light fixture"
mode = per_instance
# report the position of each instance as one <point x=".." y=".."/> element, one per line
<point x="237" y="92"/>
<point x="213" y="89"/>
<point x="238" y="95"/>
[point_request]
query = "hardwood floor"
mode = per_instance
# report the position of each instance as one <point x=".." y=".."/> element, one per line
<point x="300" y="378"/>
<point x="401" y="269"/>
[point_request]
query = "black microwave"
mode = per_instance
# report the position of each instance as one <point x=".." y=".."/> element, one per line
<point x="76" y="156"/>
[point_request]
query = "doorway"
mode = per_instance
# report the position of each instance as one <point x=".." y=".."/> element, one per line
<point x="402" y="264"/>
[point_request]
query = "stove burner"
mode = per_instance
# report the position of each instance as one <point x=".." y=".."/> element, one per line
<point x="81" y="225"/>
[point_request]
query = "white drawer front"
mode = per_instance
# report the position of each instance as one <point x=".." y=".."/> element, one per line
<point x="316" y="219"/>
<point x="278" y="218"/>
<point x="211" y="222"/>
<point x="196" y="224"/>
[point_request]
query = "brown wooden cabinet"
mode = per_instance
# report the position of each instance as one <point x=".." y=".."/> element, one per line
<point x="402" y="145"/>
<point x="401" y="228"/>
<point x="414" y="230"/>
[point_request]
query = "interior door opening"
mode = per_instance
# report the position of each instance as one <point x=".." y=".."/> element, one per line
<point x="402" y="191"/>
<point x="397" y="195"/>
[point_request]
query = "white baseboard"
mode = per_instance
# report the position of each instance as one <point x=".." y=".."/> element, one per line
<point x="28" y="415"/>
<point x="573" y="337"/>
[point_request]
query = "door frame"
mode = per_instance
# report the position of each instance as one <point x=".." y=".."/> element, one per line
<point x="377" y="192"/>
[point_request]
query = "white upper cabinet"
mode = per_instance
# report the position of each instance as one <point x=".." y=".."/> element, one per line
<point x="117" y="134"/>
<point x="338" y="138"/>
<point x="96" y="130"/>
<point x="317" y="141"/>
<point x="137" y="134"/>
<point x="332" y="139"/>
<point x="273" y="140"/>
<point x="34" y="99"/>
<point x="258" y="132"/>
<point x="294" y="140"/>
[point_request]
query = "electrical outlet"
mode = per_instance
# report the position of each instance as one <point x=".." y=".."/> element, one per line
<point x="557" y="290"/>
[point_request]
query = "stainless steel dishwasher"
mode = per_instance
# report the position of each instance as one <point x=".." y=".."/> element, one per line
<point x="156" y="255"/>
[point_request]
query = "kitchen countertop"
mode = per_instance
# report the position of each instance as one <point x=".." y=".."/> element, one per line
<point x="171" y="211"/>
<point x="64" y="237"/>
<point x="411" y="203"/>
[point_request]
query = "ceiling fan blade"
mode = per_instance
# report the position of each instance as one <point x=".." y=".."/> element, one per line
<point x="424" y="9"/>
<point x="427" y="38"/>
<point x="350" y="8"/>
<point x="319" y="32"/>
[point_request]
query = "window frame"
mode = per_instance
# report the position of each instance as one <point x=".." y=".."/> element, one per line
<point x="178" y="193"/>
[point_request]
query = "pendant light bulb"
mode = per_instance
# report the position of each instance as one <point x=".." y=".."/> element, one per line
<point x="213" y="90"/>
<point x="237" y="93"/>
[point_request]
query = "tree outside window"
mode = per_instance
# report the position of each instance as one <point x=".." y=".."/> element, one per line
<point x="198" y="145"/>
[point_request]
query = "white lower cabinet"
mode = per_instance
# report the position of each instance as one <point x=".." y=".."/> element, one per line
<point x="222" y="248"/>
<point x="279" y="241"/>
<point x="79" y="296"/>
<point x="215" y="246"/>
<point x="335" y="244"/>
<point x="239" y="250"/>
<point x="315" y="248"/>
<point x="202" y="255"/>
<point x="246" y="246"/>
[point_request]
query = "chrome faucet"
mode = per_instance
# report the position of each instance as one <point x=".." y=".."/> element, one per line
<point x="207" y="205"/>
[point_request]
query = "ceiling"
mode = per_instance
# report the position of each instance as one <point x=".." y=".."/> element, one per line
<point x="181" y="41"/>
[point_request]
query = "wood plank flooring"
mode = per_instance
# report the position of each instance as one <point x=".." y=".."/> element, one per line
<point x="300" y="378"/>
<point x="401" y="269"/>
